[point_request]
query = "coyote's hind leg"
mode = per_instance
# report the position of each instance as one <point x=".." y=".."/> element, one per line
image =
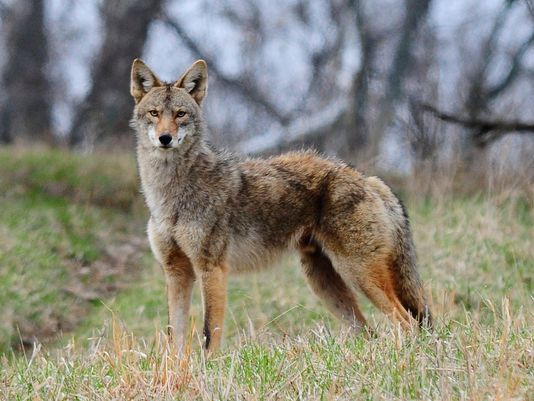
<point x="376" y="283"/>
<point x="328" y="285"/>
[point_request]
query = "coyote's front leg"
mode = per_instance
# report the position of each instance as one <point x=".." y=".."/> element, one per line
<point x="179" y="280"/>
<point x="213" y="280"/>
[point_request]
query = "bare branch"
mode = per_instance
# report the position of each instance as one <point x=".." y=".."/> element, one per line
<point x="345" y="114"/>
<point x="515" y="68"/>
<point x="248" y="92"/>
<point x="477" y="97"/>
<point x="530" y="7"/>
<point x="299" y="130"/>
<point x="488" y="48"/>
<point x="486" y="131"/>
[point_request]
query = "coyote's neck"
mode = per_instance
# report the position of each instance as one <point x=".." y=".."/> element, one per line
<point x="168" y="176"/>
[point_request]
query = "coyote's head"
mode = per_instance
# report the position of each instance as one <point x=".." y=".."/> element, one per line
<point x="167" y="115"/>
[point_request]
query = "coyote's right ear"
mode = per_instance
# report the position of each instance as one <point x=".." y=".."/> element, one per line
<point x="142" y="80"/>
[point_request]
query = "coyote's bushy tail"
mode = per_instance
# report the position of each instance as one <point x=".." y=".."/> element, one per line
<point x="408" y="286"/>
<point x="406" y="282"/>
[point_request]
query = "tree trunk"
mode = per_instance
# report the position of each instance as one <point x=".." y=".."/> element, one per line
<point x="354" y="124"/>
<point x="416" y="12"/>
<point x="26" y="109"/>
<point x="474" y="155"/>
<point x="105" y="113"/>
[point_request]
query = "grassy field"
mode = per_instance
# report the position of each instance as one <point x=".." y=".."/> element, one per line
<point x="76" y="273"/>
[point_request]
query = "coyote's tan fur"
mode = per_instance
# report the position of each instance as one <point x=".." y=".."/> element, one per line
<point x="213" y="214"/>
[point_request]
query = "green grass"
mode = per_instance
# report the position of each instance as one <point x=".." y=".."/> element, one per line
<point x="107" y="180"/>
<point x="476" y="256"/>
<point x="56" y="240"/>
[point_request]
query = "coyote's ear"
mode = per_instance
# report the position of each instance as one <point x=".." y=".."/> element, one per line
<point x="142" y="80"/>
<point x="195" y="80"/>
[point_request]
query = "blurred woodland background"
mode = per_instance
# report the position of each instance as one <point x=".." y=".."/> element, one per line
<point x="415" y="86"/>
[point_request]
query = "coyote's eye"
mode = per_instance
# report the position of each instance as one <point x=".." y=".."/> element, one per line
<point x="154" y="113"/>
<point x="180" y="113"/>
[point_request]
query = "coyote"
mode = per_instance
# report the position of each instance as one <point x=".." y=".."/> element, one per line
<point x="213" y="213"/>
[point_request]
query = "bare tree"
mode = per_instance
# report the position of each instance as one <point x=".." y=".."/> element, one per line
<point x="476" y="116"/>
<point x="484" y="130"/>
<point x="248" y="91"/>
<point x="342" y="119"/>
<point x="481" y="93"/>
<point x="294" y="129"/>
<point x="415" y="13"/>
<point x="107" y="108"/>
<point x="346" y="118"/>
<point x="341" y="122"/>
<point x="25" y="112"/>
<point x="344" y="122"/>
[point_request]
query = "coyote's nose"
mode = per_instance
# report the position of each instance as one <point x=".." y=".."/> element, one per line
<point x="165" y="139"/>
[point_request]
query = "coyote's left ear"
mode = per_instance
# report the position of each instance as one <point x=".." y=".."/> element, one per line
<point x="195" y="81"/>
<point x="142" y="80"/>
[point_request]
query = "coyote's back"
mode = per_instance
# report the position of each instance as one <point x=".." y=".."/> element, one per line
<point x="213" y="214"/>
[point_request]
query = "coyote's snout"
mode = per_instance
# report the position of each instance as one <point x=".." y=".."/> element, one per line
<point x="213" y="214"/>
